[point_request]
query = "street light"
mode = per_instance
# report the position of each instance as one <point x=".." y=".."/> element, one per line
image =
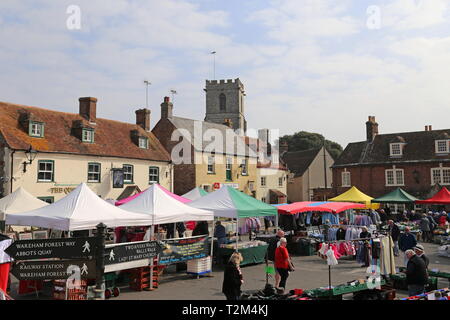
<point x="31" y="155"/>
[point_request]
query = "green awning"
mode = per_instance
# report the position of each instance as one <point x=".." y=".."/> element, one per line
<point x="396" y="196"/>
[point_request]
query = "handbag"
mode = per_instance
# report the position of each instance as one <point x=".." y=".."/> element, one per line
<point x="291" y="266"/>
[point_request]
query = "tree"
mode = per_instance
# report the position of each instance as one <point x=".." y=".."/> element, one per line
<point x="303" y="140"/>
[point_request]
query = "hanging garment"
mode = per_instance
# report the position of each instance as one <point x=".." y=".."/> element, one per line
<point x="387" y="260"/>
<point x="331" y="258"/>
<point x="4" y="257"/>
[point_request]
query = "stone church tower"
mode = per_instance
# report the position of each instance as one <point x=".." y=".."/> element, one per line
<point x="225" y="103"/>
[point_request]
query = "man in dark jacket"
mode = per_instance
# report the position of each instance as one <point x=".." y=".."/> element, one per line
<point x="424" y="225"/>
<point x="407" y="241"/>
<point x="420" y="252"/>
<point x="416" y="274"/>
<point x="394" y="231"/>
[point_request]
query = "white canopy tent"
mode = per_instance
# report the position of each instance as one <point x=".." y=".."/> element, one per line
<point x="195" y="194"/>
<point x="81" y="209"/>
<point x="162" y="208"/>
<point x="19" y="201"/>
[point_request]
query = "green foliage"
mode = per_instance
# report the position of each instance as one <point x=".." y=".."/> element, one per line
<point x="303" y="140"/>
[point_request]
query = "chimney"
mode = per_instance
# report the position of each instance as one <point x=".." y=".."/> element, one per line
<point x="166" y="108"/>
<point x="430" y="128"/>
<point x="371" y="128"/>
<point x="228" y="123"/>
<point x="88" y="108"/>
<point x="143" y="118"/>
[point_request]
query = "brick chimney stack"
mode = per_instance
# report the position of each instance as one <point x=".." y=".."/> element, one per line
<point x="371" y="128"/>
<point x="143" y="118"/>
<point x="88" y="108"/>
<point x="166" y="108"/>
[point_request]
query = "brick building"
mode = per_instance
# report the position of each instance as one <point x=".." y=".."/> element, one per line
<point x="414" y="161"/>
<point x="69" y="148"/>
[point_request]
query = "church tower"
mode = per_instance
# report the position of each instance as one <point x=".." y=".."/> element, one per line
<point x="225" y="103"/>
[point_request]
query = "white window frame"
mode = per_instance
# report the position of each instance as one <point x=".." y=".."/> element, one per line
<point x="211" y="167"/>
<point x="263" y="181"/>
<point x="128" y="173"/>
<point x="150" y="175"/>
<point x="51" y="171"/>
<point x="346" y="179"/>
<point x="447" y="149"/>
<point x="394" y="177"/>
<point x="263" y="199"/>
<point x="143" y="142"/>
<point x="99" y="172"/>
<point x="441" y="181"/>
<point x="400" y="149"/>
<point x="87" y="135"/>
<point x="36" y="129"/>
<point x="280" y="181"/>
<point x="244" y="165"/>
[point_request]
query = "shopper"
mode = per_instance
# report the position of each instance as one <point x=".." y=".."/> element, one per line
<point x="424" y="226"/>
<point x="220" y="233"/>
<point x="420" y="252"/>
<point x="407" y="241"/>
<point x="340" y="233"/>
<point x="416" y="274"/>
<point x="365" y="233"/>
<point x="181" y="228"/>
<point x="273" y="244"/>
<point x="201" y="229"/>
<point x="282" y="264"/>
<point x="232" y="277"/>
<point x="394" y="231"/>
<point x="433" y="225"/>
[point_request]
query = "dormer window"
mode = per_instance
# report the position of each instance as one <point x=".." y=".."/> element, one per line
<point x="396" y="149"/>
<point x="87" y="135"/>
<point x="36" y="129"/>
<point x="442" y="146"/>
<point x="143" y="142"/>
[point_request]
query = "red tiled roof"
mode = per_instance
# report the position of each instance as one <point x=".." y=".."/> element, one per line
<point x="112" y="138"/>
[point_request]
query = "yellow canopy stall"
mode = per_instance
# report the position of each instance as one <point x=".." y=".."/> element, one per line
<point x="354" y="195"/>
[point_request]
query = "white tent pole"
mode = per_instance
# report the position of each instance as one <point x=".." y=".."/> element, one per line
<point x="212" y="242"/>
<point x="237" y="232"/>
<point x="152" y="235"/>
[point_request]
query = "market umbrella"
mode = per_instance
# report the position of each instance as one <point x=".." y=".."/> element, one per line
<point x="81" y="209"/>
<point x="195" y="194"/>
<point x="397" y="196"/>
<point x="326" y="206"/>
<point x="19" y="201"/>
<point x="354" y="195"/>
<point x="230" y="203"/>
<point x="162" y="208"/>
<point x="173" y="195"/>
<point x="442" y="197"/>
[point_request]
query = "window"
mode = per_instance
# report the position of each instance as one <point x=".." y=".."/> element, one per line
<point x="442" y="146"/>
<point x="49" y="200"/>
<point x="263" y="199"/>
<point x="88" y="135"/>
<point x="395" y="177"/>
<point x="222" y="102"/>
<point x="440" y="176"/>
<point x="280" y="181"/>
<point x="143" y="142"/>
<point x="94" y="171"/>
<point x="244" y="167"/>
<point x="210" y="165"/>
<point x="229" y="167"/>
<point x="153" y="175"/>
<point x="46" y="170"/>
<point x="346" y="179"/>
<point x="396" y="149"/>
<point x="36" y="129"/>
<point x="128" y="173"/>
<point x="263" y="181"/>
<point x="206" y="187"/>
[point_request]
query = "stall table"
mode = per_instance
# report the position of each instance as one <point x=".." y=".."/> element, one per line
<point x="339" y="291"/>
<point x="251" y="255"/>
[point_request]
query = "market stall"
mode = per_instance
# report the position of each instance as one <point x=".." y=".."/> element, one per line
<point x="18" y="201"/>
<point x="228" y="202"/>
<point x="172" y="195"/>
<point x="396" y="197"/>
<point x="195" y="194"/>
<point x="354" y="195"/>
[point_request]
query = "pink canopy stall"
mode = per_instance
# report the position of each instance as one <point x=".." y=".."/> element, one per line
<point x="308" y="206"/>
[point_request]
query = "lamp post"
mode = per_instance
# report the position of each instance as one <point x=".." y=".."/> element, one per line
<point x="31" y="155"/>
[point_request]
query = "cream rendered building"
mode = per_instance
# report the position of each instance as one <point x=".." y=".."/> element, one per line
<point x="272" y="184"/>
<point x="75" y="148"/>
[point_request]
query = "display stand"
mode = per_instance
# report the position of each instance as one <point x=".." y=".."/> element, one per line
<point x="62" y="292"/>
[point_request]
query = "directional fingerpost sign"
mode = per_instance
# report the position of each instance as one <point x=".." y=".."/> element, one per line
<point x="51" y="248"/>
<point x="53" y="269"/>
<point x="131" y="251"/>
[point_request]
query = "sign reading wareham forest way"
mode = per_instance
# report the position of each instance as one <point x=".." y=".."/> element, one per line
<point x="54" y="269"/>
<point x="179" y="250"/>
<point x="131" y="251"/>
<point x="69" y="248"/>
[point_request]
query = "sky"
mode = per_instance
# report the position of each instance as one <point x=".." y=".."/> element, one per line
<point x="307" y="65"/>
